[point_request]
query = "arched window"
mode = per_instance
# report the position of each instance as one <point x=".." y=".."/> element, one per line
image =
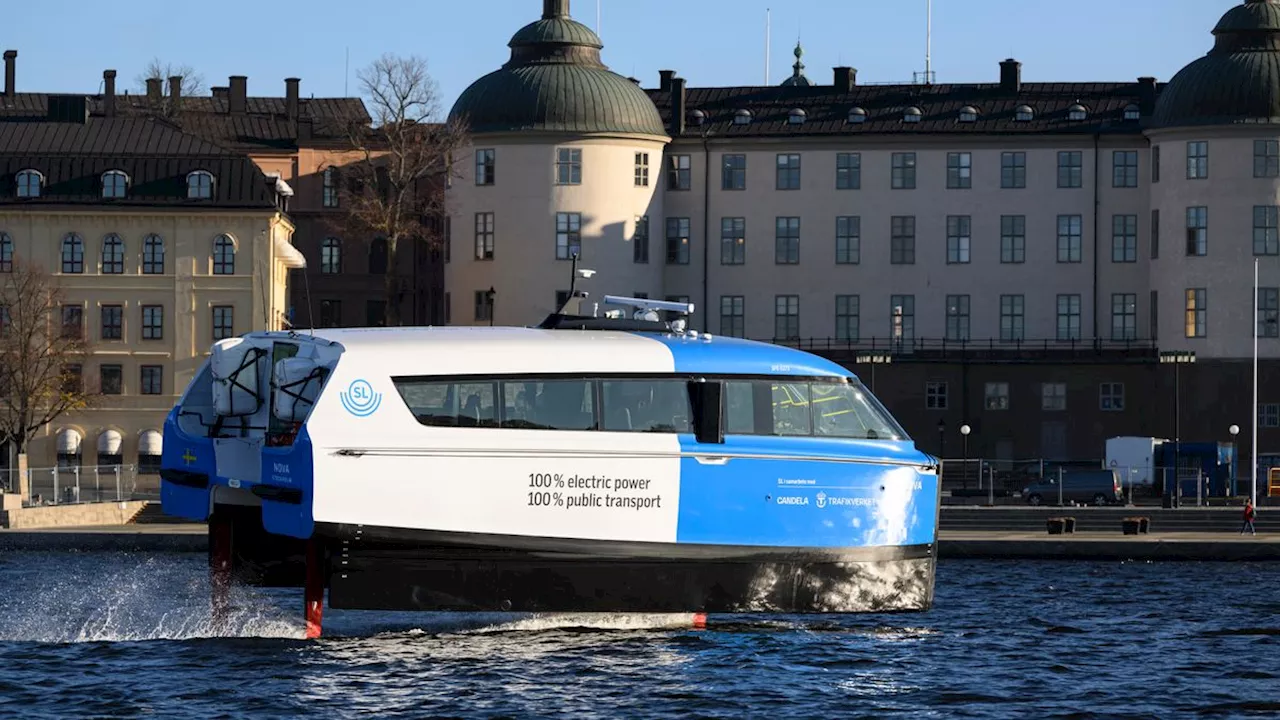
<point x="1077" y="112"/>
<point x="968" y="114"/>
<point x="72" y="254"/>
<point x="857" y="116"/>
<point x="378" y="256"/>
<point x="153" y="255"/>
<point x="912" y="115"/>
<point x="69" y="441"/>
<point x="742" y="117"/>
<point x="224" y="255"/>
<point x="1132" y="112"/>
<point x="30" y="183"/>
<point x="1024" y="113"/>
<point x="150" y="445"/>
<point x="115" y="184"/>
<point x="6" y="253"/>
<point x="331" y="256"/>
<point x="110" y="444"/>
<point x="797" y="116"/>
<point x="112" y="255"/>
<point x="697" y="117"/>
<point x="199" y="185"/>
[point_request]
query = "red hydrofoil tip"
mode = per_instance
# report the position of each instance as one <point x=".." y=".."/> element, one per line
<point x="700" y="621"/>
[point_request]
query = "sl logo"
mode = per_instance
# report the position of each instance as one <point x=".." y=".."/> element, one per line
<point x="359" y="398"/>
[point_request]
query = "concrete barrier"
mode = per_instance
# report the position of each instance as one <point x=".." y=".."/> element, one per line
<point x="86" y="515"/>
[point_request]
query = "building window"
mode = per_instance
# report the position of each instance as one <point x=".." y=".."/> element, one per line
<point x="1153" y="303"/>
<point x="1012" y="318"/>
<point x="786" y="248"/>
<point x="224" y="322"/>
<point x="152" y="322"/>
<point x="1068" y="317"/>
<point x="848" y="311"/>
<point x="111" y="379"/>
<point x="642" y="169"/>
<point x="902" y="240"/>
<point x="153" y="255"/>
<point x="329" y="196"/>
<point x="848" y="240"/>
<point x="958" y="318"/>
<point x="733" y="241"/>
<point x="786" y="317"/>
<point x="568" y="235"/>
<point x="1111" y="396"/>
<point x="1070" y="169"/>
<point x="1024" y="113"/>
<point x="733" y="172"/>
<point x="1197" y="160"/>
<point x="152" y="379"/>
<point x="199" y="185"/>
<point x="1124" y="169"/>
<point x="732" y="315"/>
<point x="486" y="166"/>
<point x="959" y="170"/>
<point x="1155" y="234"/>
<point x="224" y="256"/>
<point x="958" y="239"/>
<point x="1197" y="312"/>
<point x="1197" y="231"/>
<point x="997" y="396"/>
<point x="677" y="241"/>
<point x="112" y="255"/>
<point x="742" y="117"/>
<point x="935" y="396"/>
<point x="680" y="172"/>
<point x="640" y="241"/>
<point x="1124" y="316"/>
<point x="848" y="171"/>
<point x="375" y="313"/>
<point x="1266" y="230"/>
<point x="1269" y="415"/>
<point x="484" y="306"/>
<point x="902" y="318"/>
<point x="789" y="171"/>
<point x="29" y="183"/>
<point x="115" y="184"/>
<point x="1053" y="397"/>
<point x="1132" y="112"/>
<point x="1124" y="238"/>
<point x="1013" y="238"/>
<point x="72" y="254"/>
<point x="1269" y="312"/>
<point x="73" y="321"/>
<point x="6" y="253"/>
<point x="568" y="166"/>
<point x="331" y="256"/>
<point x="484" y="236"/>
<point x="1069" y="238"/>
<point x="330" y="313"/>
<point x="1155" y="164"/>
<point x="378" y="256"/>
<point x="112" y="320"/>
<point x="903" y="171"/>
<point x="913" y="115"/>
<point x="1266" y="158"/>
<point x="1077" y="113"/>
<point x="1013" y="170"/>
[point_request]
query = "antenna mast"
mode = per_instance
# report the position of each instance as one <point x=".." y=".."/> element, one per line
<point x="597" y="17"/>
<point x="928" y="43"/>
<point x="767" y="23"/>
<point x="346" y="72"/>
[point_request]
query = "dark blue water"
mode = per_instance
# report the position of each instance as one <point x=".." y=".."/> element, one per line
<point x="115" y="635"/>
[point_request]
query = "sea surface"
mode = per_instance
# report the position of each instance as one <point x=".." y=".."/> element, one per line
<point x="101" y="635"/>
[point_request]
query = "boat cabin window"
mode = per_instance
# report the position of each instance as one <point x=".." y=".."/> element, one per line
<point x="660" y="406"/>
<point x="794" y="408"/>
<point x="530" y="405"/>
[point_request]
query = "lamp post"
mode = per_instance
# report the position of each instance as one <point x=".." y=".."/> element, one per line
<point x="964" y="462"/>
<point x="1233" y="467"/>
<point x="1177" y="358"/>
<point x="873" y="359"/>
<point x="489" y="296"/>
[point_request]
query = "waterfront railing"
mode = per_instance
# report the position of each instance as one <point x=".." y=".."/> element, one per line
<point x="85" y="484"/>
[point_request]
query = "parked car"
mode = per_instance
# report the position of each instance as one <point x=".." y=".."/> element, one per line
<point x="1099" y="487"/>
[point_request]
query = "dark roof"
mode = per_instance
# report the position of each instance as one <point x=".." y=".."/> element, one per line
<point x="156" y="156"/>
<point x="1238" y="81"/>
<point x="827" y="108"/>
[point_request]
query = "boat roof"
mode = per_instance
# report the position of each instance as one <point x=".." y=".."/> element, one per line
<point x="467" y="350"/>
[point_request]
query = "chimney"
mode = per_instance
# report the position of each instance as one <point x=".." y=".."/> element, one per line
<point x="238" y="98"/>
<point x="109" y="93"/>
<point x="10" y="74"/>
<point x="175" y="89"/>
<point x="678" y="118"/>
<point x="846" y="79"/>
<point x="554" y="9"/>
<point x="153" y="90"/>
<point x="1147" y="94"/>
<point x="220" y="92"/>
<point x="1011" y="76"/>
<point x="304" y="128"/>
<point x="664" y="82"/>
<point x="291" y="97"/>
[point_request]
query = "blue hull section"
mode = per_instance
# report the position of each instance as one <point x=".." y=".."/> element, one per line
<point x="187" y="466"/>
<point x="290" y="472"/>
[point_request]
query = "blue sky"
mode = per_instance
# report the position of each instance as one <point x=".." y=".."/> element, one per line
<point x="64" y="45"/>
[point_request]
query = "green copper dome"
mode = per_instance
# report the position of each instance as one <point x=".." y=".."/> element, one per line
<point x="556" y="82"/>
<point x="1238" y="81"/>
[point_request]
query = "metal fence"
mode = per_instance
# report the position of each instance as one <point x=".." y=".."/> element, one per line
<point x="85" y="484"/>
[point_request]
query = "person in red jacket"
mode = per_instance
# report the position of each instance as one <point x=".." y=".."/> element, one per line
<point x="1248" y="518"/>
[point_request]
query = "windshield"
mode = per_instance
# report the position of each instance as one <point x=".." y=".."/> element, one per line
<point x="849" y="410"/>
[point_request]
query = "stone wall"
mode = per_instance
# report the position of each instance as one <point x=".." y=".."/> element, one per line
<point x="112" y="513"/>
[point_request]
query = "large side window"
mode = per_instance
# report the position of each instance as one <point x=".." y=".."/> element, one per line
<point x="660" y="406"/>
<point x="447" y="404"/>
<point x="798" y="408"/>
<point x="551" y="405"/>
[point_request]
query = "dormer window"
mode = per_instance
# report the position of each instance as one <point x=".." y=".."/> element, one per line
<point x="115" y="184"/>
<point x="912" y="115"/>
<point x="199" y="185"/>
<point x="742" y="117"/>
<point x="697" y="117"/>
<point x="1077" y="112"/>
<point x="1024" y="113"/>
<point x="797" y="116"/>
<point x="1131" y="112"/>
<point x="857" y="116"/>
<point x="30" y="182"/>
<point x="968" y="114"/>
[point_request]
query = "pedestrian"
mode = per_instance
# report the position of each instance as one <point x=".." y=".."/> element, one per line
<point x="1248" y="518"/>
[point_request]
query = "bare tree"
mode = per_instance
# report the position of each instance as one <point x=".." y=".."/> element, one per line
<point x="394" y="190"/>
<point x="42" y="353"/>
<point x="192" y="81"/>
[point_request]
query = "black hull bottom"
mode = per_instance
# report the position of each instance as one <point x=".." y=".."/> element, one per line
<point x="373" y="569"/>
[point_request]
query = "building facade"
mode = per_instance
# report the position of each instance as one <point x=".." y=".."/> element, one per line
<point x="1009" y="255"/>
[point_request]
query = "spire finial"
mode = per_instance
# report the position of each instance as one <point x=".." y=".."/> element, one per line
<point x="554" y="9"/>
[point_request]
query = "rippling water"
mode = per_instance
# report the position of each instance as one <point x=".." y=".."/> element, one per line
<point x="117" y="635"/>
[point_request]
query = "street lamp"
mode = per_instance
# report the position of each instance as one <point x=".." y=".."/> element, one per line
<point x="1233" y="467"/>
<point x="489" y="298"/>
<point x="964" y="462"/>
<point x="1177" y="358"/>
<point x="873" y="358"/>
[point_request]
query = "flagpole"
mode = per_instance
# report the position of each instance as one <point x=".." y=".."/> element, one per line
<point x="1254" y="489"/>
